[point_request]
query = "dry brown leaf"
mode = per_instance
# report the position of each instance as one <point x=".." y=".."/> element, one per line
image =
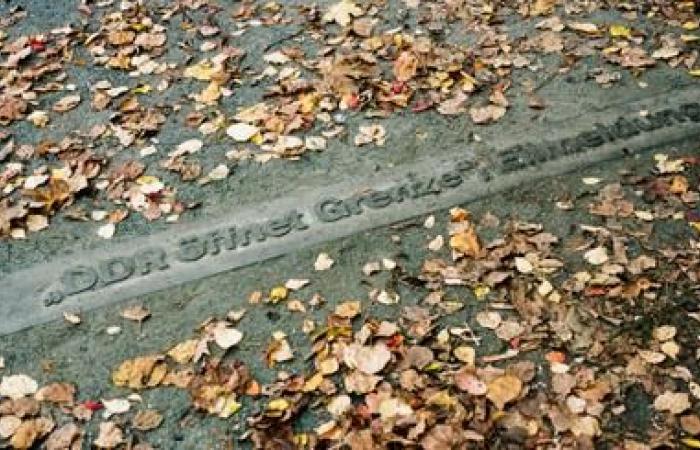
<point x="63" y="437"/>
<point x="673" y="402"/>
<point x="184" y="351"/>
<point x="66" y="103"/>
<point x="466" y="242"/>
<point x="368" y="360"/>
<point x="405" y="66"/>
<point x="30" y="431"/>
<point x="63" y="393"/>
<point x="137" y="313"/>
<point x="504" y="389"/>
<point x="348" y="309"/>
<point x="141" y="372"/>
<point x="342" y="13"/>
<point x="487" y="114"/>
<point x="110" y="436"/>
<point x="146" y="420"/>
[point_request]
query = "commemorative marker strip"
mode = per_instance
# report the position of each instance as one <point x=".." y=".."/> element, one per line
<point x="189" y="252"/>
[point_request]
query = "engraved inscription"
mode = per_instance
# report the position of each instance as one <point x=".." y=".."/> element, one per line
<point x="190" y="249"/>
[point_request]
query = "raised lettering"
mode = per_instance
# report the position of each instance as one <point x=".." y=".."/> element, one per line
<point x="692" y="111"/>
<point x="150" y="260"/>
<point x="116" y="269"/>
<point x="297" y="220"/>
<point x="244" y="236"/>
<point x="78" y="279"/>
<point x="216" y="239"/>
<point x="400" y="193"/>
<point x="377" y="199"/>
<point x="450" y="180"/>
<point x="279" y="227"/>
<point x="331" y="210"/>
<point x="191" y="249"/>
<point x="421" y="188"/>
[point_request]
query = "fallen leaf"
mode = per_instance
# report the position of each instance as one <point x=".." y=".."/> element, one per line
<point x="60" y="393"/>
<point x="349" y="309"/>
<point x="405" y="66"/>
<point x="242" y="132"/>
<point x="342" y="13"/>
<point x="504" y="389"/>
<point x="66" y="103"/>
<point x="107" y="231"/>
<point x="110" y="436"/>
<point x="63" y="438"/>
<point x="488" y="319"/>
<point x="30" y="431"/>
<point x="147" y="420"/>
<point x="294" y="284"/>
<point x="17" y="386"/>
<point x="368" y="360"/>
<point x="673" y="402"/>
<point x="115" y="406"/>
<point x="226" y="337"/>
<point x="323" y="262"/>
<point x="596" y="256"/>
<point x="137" y="313"/>
<point x="487" y="114"/>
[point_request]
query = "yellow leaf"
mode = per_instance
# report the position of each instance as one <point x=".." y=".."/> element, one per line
<point x="279" y="404"/>
<point x="203" y="71"/>
<point x="691" y="25"/>
<point x="308" y="102"/>
<point x="695" y="225"/>
<point x="689" y="38"/>
<point x="620" y="31"/>
<point x="313" y="383"/>
<point x="691" y="442"/>
<point x="434" y="366"/>
<point x="481" y="291"/>
<point x="278" y="293"/>
<point x="143" y="89"/>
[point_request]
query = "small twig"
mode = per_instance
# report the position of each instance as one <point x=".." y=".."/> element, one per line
<point x="283" y="39"/>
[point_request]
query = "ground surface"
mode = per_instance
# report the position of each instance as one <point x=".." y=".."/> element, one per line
<point x="560" y="312"/>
